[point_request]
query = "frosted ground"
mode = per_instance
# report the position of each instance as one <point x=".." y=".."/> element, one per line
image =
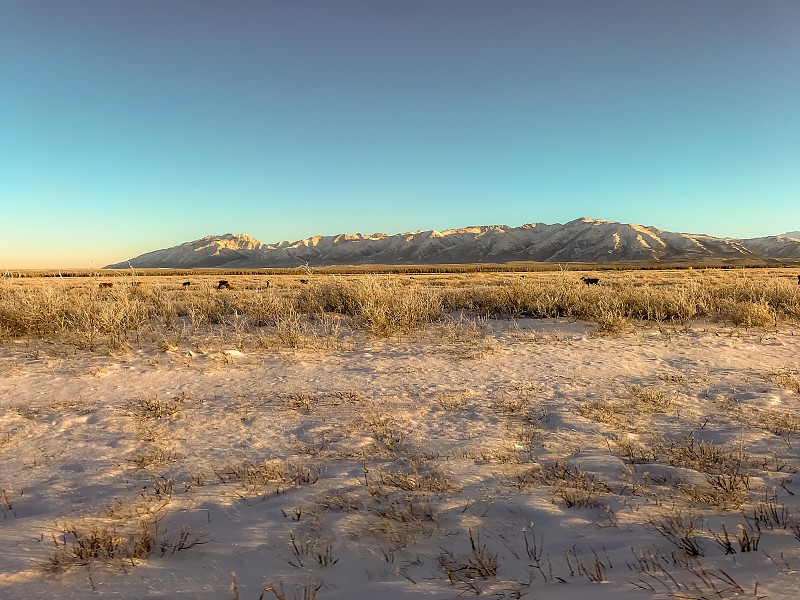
<point x="528" y="459"/>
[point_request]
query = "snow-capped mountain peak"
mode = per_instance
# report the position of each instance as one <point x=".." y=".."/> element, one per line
<point x="580" y="240"/>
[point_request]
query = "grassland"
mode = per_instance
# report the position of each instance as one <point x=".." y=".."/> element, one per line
<point x="507" y="434"/>
<point x="295" y="309"/>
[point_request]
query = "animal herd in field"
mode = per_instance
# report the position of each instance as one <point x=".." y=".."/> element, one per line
<point x="224" y="284"/>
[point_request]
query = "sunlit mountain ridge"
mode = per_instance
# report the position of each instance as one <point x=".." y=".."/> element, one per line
<point x="581" y="240"/>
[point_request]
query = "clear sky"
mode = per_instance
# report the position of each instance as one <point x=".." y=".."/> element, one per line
<point x="129" y="126"/>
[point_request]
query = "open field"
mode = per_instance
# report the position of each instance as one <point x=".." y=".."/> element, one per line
<point x="483" y="267"/>
<point x="302" y="310"/>
<point x="513" y="435"/>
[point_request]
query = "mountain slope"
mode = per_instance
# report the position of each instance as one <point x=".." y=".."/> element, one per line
<point x="581" y="240"/>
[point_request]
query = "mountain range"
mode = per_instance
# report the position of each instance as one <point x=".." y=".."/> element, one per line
<point x="581" y="240"/>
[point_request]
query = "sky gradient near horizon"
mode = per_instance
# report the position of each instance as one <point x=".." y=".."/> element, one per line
<point x="126" y="127"/>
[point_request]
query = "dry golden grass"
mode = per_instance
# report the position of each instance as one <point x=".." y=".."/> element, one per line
<point x="286" y="312"/>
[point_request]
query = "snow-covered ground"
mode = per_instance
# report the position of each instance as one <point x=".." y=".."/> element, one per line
<point x="526" y="460"/>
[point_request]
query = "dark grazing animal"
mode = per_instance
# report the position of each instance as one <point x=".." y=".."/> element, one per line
<point x="304" y="281"/>
<point x="136" y="284"/>
<point x="266" y="284"/>
<point x="590" y="280"/>
<point x="106" y="285"/>
<point x="186" y="284"/>
<point x="223" y="285"/>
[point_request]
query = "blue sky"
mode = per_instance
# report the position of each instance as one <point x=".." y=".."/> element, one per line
<point x="131" y="126"/>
